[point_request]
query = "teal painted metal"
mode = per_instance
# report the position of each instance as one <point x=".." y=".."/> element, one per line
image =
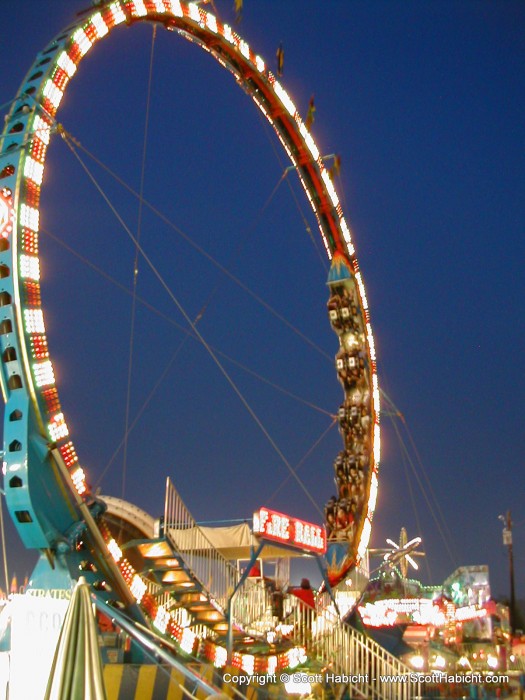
<point x="34" y="492"/>
<point x="42" y="506"/>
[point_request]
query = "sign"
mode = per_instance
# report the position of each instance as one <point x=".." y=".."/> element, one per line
<point x="277" y="527"/>
<point x="507" y="537"/>
<point x="36" y="621"/>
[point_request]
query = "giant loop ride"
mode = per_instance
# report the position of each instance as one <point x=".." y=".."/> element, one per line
<point x="47" y="492"/>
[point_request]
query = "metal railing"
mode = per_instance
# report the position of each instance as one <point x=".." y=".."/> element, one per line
<point x="350" y="658"/>
<point x="218" y="577"/>
<point x="353" y="658"/>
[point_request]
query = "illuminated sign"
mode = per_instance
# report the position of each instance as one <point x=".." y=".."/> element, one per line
<point x="470" y="612"/>
<point x="387" y="612"/>
<point x="289" y="531"/>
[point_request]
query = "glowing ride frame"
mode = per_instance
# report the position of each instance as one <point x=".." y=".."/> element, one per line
<point x="43" y="515"/>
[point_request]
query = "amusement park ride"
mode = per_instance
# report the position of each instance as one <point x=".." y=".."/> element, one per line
<point x="170" y="584"/>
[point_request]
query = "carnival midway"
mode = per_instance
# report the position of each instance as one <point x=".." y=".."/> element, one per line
<point x="124" y="603"/>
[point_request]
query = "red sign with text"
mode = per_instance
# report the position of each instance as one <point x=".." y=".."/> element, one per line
<point x="292" y="532"/>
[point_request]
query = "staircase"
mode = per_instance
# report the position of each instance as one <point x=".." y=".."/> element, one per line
<point x="214" y="578"/>
<point x="349" y="658"/>
<point x="206" y="582"/>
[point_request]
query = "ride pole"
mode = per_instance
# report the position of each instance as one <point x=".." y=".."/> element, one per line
<point x="229" y="609"/>
<point x="507" y="541"/>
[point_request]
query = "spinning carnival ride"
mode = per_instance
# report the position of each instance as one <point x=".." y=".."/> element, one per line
<point x="46" y="490"/>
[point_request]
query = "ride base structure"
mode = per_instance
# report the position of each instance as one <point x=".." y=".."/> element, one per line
<point x="171" y="593"/>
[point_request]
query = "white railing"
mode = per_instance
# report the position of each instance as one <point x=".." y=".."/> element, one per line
<point x="370" y="670"/>
<point x="219" y="578"/>
<point x="353" y="658"/>
<point x="252" y="608"/>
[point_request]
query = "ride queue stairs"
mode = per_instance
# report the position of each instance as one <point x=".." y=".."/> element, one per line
<point x="198" y="579"/>
<point x="350" y="659"/>
<point x="193" y="575"/>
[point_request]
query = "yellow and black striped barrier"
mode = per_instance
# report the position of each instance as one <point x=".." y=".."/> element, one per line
<point x="157" y="682"/>
<point x="147" y="682"/>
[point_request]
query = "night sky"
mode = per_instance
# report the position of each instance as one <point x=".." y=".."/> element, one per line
<point x="423" y="102"/>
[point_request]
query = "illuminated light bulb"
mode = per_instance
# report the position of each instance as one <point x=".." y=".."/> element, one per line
<point x="361" y="286"/>
<point x="221" y="657"/>
<point x="261" y="106"/>
<point x="272" y="665"/>
<point x="138" y="588"/>
<point x="67" y="65"/>
<point x="286" y="147"/>
<point x="68" y="454"/>
<point x="39" y="347"/>
<point x="187" y="640"/>
<point x="284" y="97"/>
<point x="138" y="8"/>
<point x="311" y="145"/>
<point x="82" y="40"/>
<point x="295" y="657"/>
<point x="298" y="687"/>
<point x="373" y="494"/>
<point x="248" y="663"/>
<point x="53" y="93"/>
<point x="307" y="136"/>
<point x="330" y="186"/>
<point x="194" y="12"/>
<point x="211" y="22"/>
<point x="375" y="391"/>
<point x="377" y="445"/>
<point x="346" y="235"/>
<point x="34" y="321"/>
<point x="228" y="34"/>
<point x="117" y="13"/>
<point x="29" y="267"/>
<point x="44" y="375"/>
<point x="101" y="28"/>
<point x="292" y="658"/>
<point x="244" y="49"/>
<point x="439" y="661"/>
<point x="78" y="478"/>
<point x="365" y="538"/>
<point x="417" y="661"/>
<point x="371" y="343"/>
<point x="42" y="130"/>
<point x="259" y="64"/>
<point x="159" y="6"/>
<point x="161" y="619"/>
<point x="34" y="170"/>
<point x="114" y="550"/>
<point x="29" y="217"/>
<point x="175" y="8"/>
<point x="57" y="428"/>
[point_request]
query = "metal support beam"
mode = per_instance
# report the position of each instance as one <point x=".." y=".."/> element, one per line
<point x="322" y="568"/>
<point x="244" y="576"/>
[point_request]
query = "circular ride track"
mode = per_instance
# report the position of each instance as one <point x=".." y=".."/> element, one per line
<point x="36" y="437"/>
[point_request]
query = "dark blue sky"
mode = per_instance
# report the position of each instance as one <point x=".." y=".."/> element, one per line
<point x="424" y="103"/>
